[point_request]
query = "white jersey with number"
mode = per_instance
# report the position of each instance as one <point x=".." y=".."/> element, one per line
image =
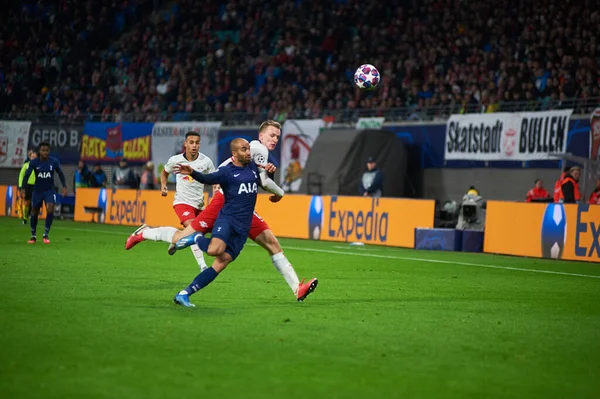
<point x="258" y="151"/>
<point x="189" y="191"/>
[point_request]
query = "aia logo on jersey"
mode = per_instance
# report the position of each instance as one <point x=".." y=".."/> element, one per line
<point x="248" y="188"/>
<point x="44" y="175"/>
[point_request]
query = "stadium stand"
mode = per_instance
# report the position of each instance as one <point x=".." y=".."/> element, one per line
<point x="247" y="60"/>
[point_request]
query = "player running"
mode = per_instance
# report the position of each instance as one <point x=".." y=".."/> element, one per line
<point x="28" y="186"/>
<point x="189" y="193"/>
<point x="43" y="189"/>
<point x="268" y="137"/>
<point x="239" y="181"/>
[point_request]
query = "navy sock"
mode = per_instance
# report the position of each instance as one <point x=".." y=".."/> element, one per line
<point x="202" y="280"/>
<point x="49" y="219"/>
<point x="33" y="223"/>
<point x="202" y="243"/>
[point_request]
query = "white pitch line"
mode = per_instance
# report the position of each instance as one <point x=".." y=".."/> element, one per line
<point x="351" y="251"/>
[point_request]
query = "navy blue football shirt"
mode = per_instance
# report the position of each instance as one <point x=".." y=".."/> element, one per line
<point x="240" y="188"/>
<point x="44" y="173"/>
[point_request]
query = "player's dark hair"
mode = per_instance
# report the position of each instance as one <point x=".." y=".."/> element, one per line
<point x="44" y="144"/>
<point x="536" y="181"/>
<point x="566" y="168"/>
<point x="193" y="134"/>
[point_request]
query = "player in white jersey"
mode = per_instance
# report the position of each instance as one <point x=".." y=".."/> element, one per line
<point x="268" y="137"/>
<point x="189" y="193"/>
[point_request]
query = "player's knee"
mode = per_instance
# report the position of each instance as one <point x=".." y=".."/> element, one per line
<point x="216" y="248"/>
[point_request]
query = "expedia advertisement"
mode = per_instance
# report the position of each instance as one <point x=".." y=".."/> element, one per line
<point x="380" y="221"/>
<point x="525" y="136"/>
<point x="556" y="231"/>
<point x="125" y="207"/>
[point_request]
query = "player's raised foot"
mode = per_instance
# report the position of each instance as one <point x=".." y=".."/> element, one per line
<point x="184" y="242"/>
<point x="306" y="288"/>
<point x="183" y="300"/>
<point x="24" y="221"/>
<point x="136" y="237"/>
<point x="32" y="240"/>
<point x="46" y="240"/>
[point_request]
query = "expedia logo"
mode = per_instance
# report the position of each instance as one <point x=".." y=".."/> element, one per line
<point x="121" y="211"/>
<point x="315" y="218"/>
<point x="554" y="231"/>
<point x="357" y="224"/>
<point x="9" y="201"/>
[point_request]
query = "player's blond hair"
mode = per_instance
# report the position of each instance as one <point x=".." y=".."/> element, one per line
<point x="268" y="123"/>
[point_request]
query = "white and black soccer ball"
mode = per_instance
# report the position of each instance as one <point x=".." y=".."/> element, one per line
<point x="367" y="77"/>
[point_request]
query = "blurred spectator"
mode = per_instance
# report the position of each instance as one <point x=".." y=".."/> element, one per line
<point x="98" y="177"/>
<point x="559" y="182"/>
<point x="569" y="192"/>
<point x="123" y="176"/>
<point x="148" y="180"/>
<point x="595" y="197"/>
<point x="82" y="176"/>
<point x="538" y="192"/>
<point x="371" y="184"/>
<point x="435" y="57"/>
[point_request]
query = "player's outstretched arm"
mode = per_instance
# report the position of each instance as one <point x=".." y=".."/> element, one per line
<point x="218" y="177"/>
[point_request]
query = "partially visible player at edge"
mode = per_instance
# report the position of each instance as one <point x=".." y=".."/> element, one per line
<point x="268" y="137"/>
<point x="189" y="193"/>
<point x="27" y="185"/>
<point x="43" y="189"/>
<point x="239" y="181"/>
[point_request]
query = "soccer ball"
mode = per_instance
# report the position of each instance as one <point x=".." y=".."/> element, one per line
<point x="367" y="77"/>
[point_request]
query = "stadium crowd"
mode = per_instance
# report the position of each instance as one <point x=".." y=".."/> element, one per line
<point x="294" y="59"/>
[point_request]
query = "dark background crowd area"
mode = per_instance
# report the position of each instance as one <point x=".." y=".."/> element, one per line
<point x="145" y="60"/>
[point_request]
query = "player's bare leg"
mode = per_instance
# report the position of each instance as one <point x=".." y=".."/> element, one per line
<point x="269" y="242"/>
<point x="204" y="278"/>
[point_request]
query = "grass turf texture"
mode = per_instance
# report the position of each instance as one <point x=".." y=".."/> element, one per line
<point x="82" y="317"/>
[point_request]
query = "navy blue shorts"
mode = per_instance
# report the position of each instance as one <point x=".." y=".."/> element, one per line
<point x="235" y="241"/>
<point x="48" y="197"/>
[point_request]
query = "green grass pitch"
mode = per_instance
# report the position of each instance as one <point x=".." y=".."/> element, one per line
<point x="83" y="318"/>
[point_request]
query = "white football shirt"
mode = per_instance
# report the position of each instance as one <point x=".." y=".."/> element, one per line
<point x="258" y="151"/>
<point x="189" y="191"/>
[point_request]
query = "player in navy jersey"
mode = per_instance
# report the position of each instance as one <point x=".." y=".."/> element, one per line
<point x="43" y="189"/>
<point x="239" y="181"/>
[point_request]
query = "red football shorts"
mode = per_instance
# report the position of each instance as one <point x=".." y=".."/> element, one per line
<point x="205" y="221"/>
<point x="185" y="212"/>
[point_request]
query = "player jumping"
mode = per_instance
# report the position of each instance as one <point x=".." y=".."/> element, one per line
<point x="268" y="137"/>
<point x="43" y="189"/>
<point x="189" y="193"/>
<point x="239" y="181"/>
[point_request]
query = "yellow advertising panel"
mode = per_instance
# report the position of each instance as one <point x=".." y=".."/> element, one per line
<point x="126" y="207"/>
<point x="9" y="195"/>
<point x="556" y="231"/>
<point x="381" y="221"/>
